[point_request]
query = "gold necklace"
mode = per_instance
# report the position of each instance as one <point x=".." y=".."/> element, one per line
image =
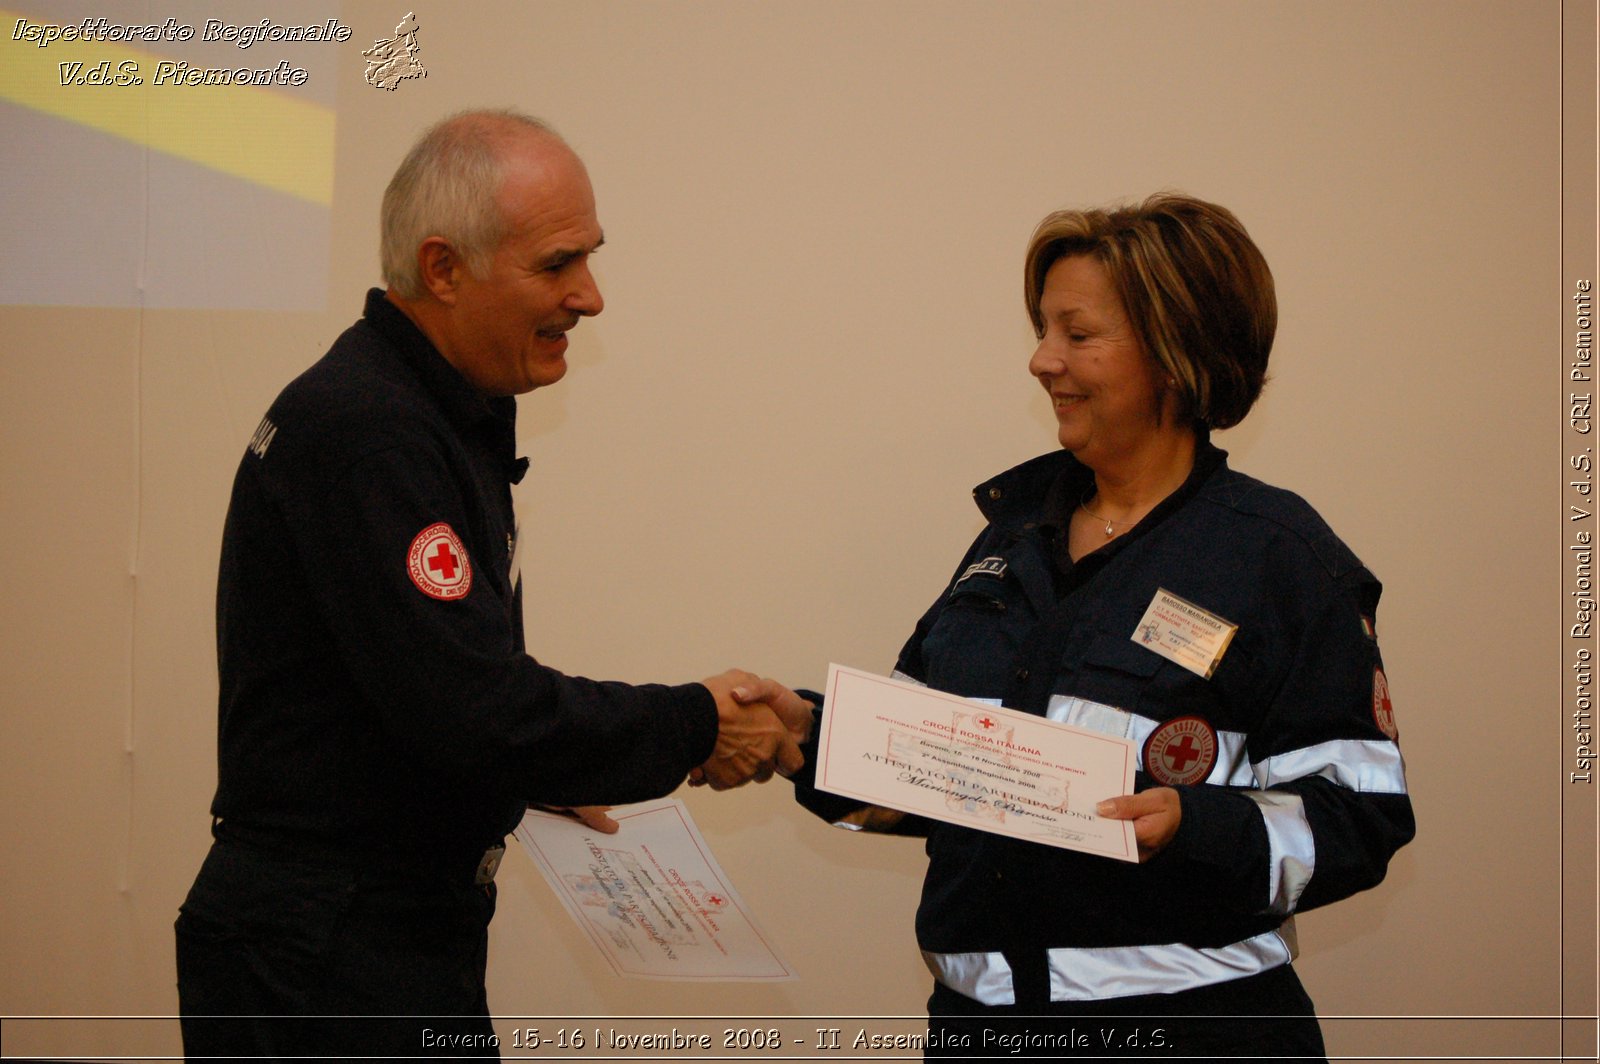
<point x="1084" y="506"/>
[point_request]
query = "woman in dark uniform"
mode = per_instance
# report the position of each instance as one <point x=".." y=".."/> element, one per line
<point x="1133" y="583"/>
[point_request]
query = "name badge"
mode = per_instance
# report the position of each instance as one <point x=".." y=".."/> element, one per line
<point x="1184" y="633"/>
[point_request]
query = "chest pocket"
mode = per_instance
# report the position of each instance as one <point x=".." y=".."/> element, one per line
<point x="971" y="648"/>
<point x="1119" y="672"/>
<point x="1115" y="671"/>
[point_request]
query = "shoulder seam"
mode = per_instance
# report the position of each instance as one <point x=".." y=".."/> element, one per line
<point x="1306" y="527"/>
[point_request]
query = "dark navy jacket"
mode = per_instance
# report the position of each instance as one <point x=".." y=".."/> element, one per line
<point x="1306" y="800"/>
<point x="375" y="691"/>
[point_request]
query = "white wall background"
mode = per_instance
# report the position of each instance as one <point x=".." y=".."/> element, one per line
<point x="814" y="344"/>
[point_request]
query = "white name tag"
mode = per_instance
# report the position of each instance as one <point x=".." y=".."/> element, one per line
<point x="1184" y="633"/>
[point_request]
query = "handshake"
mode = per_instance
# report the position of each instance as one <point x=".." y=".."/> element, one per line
<point x="760" y="726"/>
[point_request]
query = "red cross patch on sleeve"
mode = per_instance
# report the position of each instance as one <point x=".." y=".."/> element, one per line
<point x="438" y="563"/>
<point x="1181" y="751"/>
<point x="1382" y="705"/>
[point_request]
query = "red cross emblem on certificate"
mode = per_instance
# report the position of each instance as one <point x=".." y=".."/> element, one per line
<point x="438" y="565"/>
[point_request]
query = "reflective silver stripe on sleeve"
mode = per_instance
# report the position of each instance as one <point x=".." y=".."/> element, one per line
<point x="1292" y="850"/>
<point x="1095" y="716"/>
<point x="847" y="825"/>
<point x="1365" y="765"/>
<point x="983" y="977"/>
<point x="1231" y="770"/>
<point x="1120" y="971"/>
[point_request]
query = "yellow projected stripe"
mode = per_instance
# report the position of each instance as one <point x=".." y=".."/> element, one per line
<point x="262" y="135"/>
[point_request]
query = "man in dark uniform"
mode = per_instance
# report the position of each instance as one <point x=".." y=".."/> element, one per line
<point x="381" y="726"/>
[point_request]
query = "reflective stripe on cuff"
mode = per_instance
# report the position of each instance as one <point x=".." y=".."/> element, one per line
<point x="1292" y="849"/>
<point x="1122" y="971"/>
<point x="983" y="977"/>
<point x="1095" y="974"/>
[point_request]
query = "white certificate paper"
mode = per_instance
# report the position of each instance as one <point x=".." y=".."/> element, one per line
<point x="651" y="897"/>
<point x="923" y="751"/>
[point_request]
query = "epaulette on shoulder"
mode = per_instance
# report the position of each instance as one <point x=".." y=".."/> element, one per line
<point x="1246" y="495"/>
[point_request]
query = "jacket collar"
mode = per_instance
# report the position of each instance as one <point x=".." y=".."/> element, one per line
<point x="1021" y="490"/>
<point x="1019" y="493"/>
<point x="456" y="396"/>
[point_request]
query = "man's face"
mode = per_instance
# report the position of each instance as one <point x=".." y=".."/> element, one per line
<point x="508" y="327"/>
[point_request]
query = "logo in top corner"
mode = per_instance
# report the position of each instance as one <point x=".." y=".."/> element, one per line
<point x="1181" y="751"/>
<point x="437" y="563"/>
<point x="389" y="62"/>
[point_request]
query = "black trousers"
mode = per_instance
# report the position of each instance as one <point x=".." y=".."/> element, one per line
<point x="1266" y="1017"/>
<point x="282" y="957"/>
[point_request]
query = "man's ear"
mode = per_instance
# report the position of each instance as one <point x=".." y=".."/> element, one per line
<point x="440" y="268"/>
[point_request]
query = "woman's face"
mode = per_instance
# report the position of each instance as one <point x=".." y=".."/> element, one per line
<point x="1107" y="391"/>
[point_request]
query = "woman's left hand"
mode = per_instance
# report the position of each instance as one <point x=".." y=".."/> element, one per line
<point x="1155" y="814"/>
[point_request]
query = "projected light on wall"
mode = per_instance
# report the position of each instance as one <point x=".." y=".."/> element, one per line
<point x="169" y="155"/>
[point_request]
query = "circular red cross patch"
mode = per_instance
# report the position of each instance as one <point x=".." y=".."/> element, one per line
<point x="438" y="563"/>
<point x="1382" y="707"/>
<point x="1181" y="751"/>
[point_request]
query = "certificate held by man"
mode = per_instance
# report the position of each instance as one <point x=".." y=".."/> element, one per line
<point x="930" y="753"/>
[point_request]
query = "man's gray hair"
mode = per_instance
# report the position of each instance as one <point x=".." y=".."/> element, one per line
<point x="448" y="186"/>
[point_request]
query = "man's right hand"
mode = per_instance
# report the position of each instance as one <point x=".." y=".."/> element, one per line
<point x="752" y="741"/>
